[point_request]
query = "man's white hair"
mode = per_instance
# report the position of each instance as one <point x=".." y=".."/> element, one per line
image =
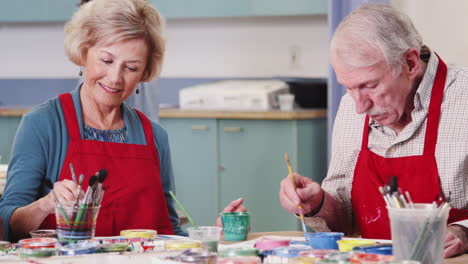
<point x="374" y="32"/>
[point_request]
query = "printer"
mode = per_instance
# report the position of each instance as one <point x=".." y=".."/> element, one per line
<point x="233" y="95"/>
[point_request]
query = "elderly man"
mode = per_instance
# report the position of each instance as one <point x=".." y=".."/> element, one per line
<point x="405" y="115"/>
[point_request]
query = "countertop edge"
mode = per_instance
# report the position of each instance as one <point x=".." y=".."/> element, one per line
<point x="228" y="114"/>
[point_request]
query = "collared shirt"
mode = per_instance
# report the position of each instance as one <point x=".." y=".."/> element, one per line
<point x="451" y="150"/>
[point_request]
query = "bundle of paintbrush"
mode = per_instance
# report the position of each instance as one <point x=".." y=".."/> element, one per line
<point x="76" y="220"/>
<point x="393" y="195"/>
<point x="86" y="209"/>
<point x="416" y="225"/>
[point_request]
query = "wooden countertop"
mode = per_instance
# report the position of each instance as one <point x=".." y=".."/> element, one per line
<point x="14" y="111"/>
<point x="228" y="114"/>
<point x="215" y="114"/>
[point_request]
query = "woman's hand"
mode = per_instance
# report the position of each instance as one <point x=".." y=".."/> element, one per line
<point x="234" y="206"/>
<point x="65" y="191"/>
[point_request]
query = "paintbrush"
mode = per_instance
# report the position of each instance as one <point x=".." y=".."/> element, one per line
<point x="60" y="206"/>
<point x="84" y="203"/>
<point x="72" y="170"/>
<point x="301" y="210"/>
<point x="183" y="210"/>
<point x="101" y="174"/>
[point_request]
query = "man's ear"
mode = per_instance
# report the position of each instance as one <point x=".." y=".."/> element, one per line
<point x="412" y="63"/>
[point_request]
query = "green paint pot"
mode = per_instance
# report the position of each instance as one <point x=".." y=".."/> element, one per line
<point x="235" y="225"/>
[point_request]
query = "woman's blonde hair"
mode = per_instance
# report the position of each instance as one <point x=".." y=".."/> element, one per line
<point x="110" y="21"/>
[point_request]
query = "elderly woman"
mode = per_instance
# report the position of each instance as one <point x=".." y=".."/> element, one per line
<point x="118" y="43"/>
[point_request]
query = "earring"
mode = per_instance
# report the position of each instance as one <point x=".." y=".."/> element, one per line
<point x="80" y="73"/>
<point x="137" y="91"/>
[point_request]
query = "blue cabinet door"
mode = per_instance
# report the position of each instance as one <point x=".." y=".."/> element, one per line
<point x="194" y="151"/>
<point x="252" y="154"/>
<point x="8" y="126"/>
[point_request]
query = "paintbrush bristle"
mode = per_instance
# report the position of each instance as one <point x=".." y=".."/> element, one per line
<point x="102" y="175"/>
<point x="286" y="157"/>
<point x="81" y="179"/>
<point x="92" y="180"/>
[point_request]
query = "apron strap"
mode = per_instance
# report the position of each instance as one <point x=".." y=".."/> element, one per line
<point x="433" y="115"/>
<point x="365" y="134"/>
<point x="70" y="116"/>
<point x="148" y="128"/>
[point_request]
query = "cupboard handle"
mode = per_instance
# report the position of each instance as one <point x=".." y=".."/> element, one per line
<point x="232" y="129"/>
<point x="200" y="127"/>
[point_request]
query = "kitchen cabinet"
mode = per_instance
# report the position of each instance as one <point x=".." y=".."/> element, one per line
<point x="217" y="160"/>
<point x="8" y="126"/>
<point x="37" y="10"/>
<point x="62" y="10"/>
<point x="216" y="8"/>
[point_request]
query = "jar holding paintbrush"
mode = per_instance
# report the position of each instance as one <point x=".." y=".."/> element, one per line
<point x="76" y="220"/>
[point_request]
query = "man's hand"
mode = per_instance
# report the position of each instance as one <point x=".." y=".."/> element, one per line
<point x="308" y="193"/>
<point x="456" y="240"/>
<point x="234" y="206"/>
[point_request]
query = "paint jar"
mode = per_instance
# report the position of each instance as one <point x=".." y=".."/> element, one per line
<point x="5" y="245"/>
<point x="286" y="102"/>
<point x="317" y="253"/>
<point x="235" y="225"/>
<point x="283" y="254"/>
<point x="239" y="252"/>
<point x="266" y="243"/>
<point x="34" y="243"/>
<point x="199" y="257"/>
<point x="36" y="252"/>
<point x="369" y="258"/>
<point x="325" y="240"/>
<point x="75" y="223"/>
<point x="419" y="233"/>
<point x="240" y="260"/>
<point x="349" y="244"/>
<point x="79" y="248"/>
<point x="399" y="262"/>
<point x="139" y="235"/>
<point x="208" y="235"/>
<point x="114" y="247"/>
<point x="183" y="244"/>
<point x="303" y="260"/>
<point x="44" y="233"/>
<point x="382" y="249"/>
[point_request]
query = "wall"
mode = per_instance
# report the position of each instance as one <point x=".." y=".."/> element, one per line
<point x="214" y="47"/>
<point x="442" y="25"/>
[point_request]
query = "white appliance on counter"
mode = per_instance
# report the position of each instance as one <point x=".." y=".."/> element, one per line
<point x="233" y="95"/>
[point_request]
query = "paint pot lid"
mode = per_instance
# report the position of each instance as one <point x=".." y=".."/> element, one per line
<point x="242" y="251"/>
<point x="317" y="253"/>
<point x="291" y="251"/>
<point x="79" y="248"/>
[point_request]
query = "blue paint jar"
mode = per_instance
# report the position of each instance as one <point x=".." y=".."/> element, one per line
<point x="381" y="250"/>
<point x="324" y="240"/>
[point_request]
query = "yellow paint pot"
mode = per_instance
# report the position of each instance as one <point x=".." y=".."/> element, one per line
<point x="303" y="260"/>
<point x="183" y="244"/>
<point x="349" y="244"/>
<point x="139" y="233"/>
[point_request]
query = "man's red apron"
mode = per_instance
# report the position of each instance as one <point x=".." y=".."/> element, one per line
<point x="134" y="196"/>
<point x="416" y="174"/>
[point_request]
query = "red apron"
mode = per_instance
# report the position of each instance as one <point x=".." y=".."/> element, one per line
<point x="134" y="196"/>
<point x="416" y="174"/>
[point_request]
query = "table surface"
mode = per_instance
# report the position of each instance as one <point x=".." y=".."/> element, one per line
<point x="463" y="259"/>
